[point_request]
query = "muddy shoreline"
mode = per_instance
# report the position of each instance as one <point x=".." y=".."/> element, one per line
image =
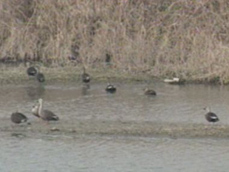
<point x="17" y="74"/>
<point x="118" y="128"/>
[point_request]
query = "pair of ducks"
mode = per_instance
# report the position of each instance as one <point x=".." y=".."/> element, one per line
<point x="34" y="72"/>
<point x="38" y="111"/>
<point x="86" y="79"/>
<point x="209" y="116"/>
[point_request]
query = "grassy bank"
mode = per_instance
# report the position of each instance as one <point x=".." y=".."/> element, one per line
<point x="162" y="38"/>
<point x="18" y="75"/>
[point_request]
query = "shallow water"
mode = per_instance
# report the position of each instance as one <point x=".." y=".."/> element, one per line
<point x="114" y="132"/>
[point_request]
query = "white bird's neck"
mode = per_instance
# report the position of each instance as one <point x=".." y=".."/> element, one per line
<point x="208" y="109"/>
<point x="40" y="107"/>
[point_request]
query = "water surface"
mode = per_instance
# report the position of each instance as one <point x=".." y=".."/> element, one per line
<point x="126" y="131"/>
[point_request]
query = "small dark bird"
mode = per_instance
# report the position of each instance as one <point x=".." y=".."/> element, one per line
<point x="150" y="92"/>
<point x="108" y="59"/>
<point x="85" y="76"/>
<point x="45" y="115"/>
<point x="40" y="77"/>
<point x="19" y="118"/>
<point x="32" y="71"/>
<point x="210" y="116"/>
<point x="110" y="88"/>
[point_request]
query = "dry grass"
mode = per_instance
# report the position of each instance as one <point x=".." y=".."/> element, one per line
<point x="184" y="38"/>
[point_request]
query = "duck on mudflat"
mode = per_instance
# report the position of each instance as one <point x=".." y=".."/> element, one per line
<point x="210" y="116"/>
<point x="32" y="71"/>
<point x="40" y="77"/>
<point x="85" y="76"/>
<point x="19" y="118"/>
<point x="45" y="115"/>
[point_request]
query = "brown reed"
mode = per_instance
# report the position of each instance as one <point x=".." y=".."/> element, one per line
<point x="164" y="38"/>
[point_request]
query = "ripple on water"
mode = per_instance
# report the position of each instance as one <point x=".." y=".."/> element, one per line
<point x="93" y="153"/>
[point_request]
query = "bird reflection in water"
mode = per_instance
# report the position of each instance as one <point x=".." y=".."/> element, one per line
<point x="35" y="92"/>
<point x="85" y="89"/>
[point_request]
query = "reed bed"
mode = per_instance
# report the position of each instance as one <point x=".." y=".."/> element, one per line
<point x="162" y="38"/>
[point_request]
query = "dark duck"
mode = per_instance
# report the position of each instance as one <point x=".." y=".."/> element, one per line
<point x="210" y="116"/>
<point x="85" y="76"/>
<point x="32" y="71"/>
<point x="19" y="118"/>
<point x="40" y="77"/>
<point x="110" y="88"/>
<point x="150" y="92"/>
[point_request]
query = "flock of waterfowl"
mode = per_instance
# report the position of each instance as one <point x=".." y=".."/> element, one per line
<point x="47" y="115"/>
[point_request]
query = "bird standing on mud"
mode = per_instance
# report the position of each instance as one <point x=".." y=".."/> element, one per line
<point x="85" y="76"/>
<point x="210" y="116"/>
<point x="45" y="115"/>
<point x="19" y="118"/>
<point x="32" y="71"/>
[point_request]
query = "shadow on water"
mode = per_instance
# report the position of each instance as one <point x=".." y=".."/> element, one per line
<point x="85" y="89"/>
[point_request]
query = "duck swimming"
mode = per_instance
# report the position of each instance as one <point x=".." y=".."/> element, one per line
<point x="110" y="88"/>
<point x="148" y="91"/>
<point x="32" y="71"/>
<point x="210" y="116"/>
<point x="40" y="77"/>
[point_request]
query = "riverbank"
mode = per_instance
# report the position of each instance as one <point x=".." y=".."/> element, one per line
<point x="12" y="74"/>
<point x="70" y="73"/>
<point x="163" y="39"/>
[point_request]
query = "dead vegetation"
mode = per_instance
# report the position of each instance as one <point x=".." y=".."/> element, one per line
<point x="183" y="38"/>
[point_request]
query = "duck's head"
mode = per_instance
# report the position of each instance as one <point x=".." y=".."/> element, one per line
<point x="35" y="109"/>
<point x="145" y="89"/>
<point x="40" y="100"/>
<point x="207" y="109"/>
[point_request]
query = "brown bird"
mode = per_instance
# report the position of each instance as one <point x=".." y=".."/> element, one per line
<point x="45" y="115"/>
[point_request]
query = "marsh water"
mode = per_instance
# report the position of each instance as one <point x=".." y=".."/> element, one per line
<point x="125" y="131"/>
